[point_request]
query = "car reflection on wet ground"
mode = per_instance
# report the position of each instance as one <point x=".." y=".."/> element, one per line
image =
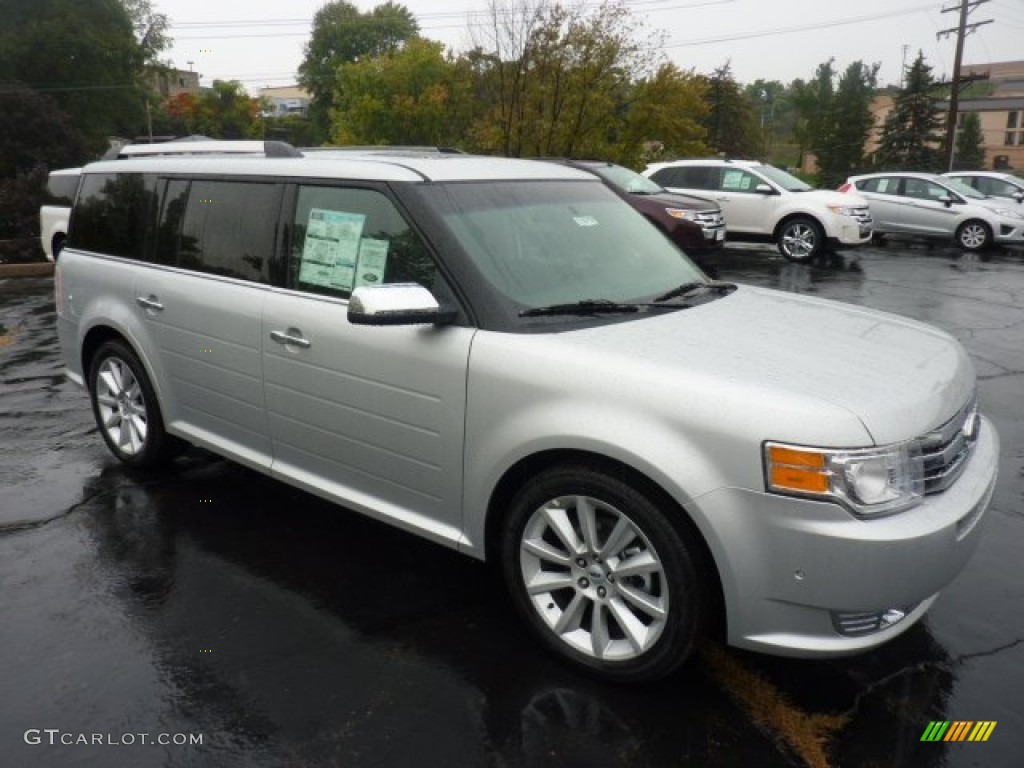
<point x="209" y="600"/>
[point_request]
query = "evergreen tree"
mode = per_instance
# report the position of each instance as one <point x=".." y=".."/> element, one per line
<point x="970" y="145"/>
<point x="848" y="120"/>
<point x="730" y="122"/>
<point x="912" y="136"/>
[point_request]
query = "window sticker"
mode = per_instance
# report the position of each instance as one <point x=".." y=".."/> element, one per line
<point x="373" y="259"/>
<point x="736" y="180"/>
<point x="585" y="221"/>
<point x="331" y="248"/>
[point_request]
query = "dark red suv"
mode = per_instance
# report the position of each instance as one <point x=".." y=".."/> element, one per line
<point x="694" y="224"/>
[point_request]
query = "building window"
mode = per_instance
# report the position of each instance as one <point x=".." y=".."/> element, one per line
<point x="1015" y="129"/>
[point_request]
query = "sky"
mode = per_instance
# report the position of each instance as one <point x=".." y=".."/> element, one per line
<point x="260" y="42"/>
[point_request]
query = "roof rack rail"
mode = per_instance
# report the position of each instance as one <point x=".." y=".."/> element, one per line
<point x="386" y="149"/>
<point x="208" y="147"/>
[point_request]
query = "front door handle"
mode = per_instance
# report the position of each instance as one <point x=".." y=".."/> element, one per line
<point x="292" y="337"/>
<point x="149" y="302"/>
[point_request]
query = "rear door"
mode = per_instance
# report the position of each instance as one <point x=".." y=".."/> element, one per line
<point x="372" y="417"/>
<point x="201" y="304"/>
<point x="883" y="196"/>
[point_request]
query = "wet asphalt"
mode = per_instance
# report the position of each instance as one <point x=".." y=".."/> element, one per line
<point x="208" y="602"/>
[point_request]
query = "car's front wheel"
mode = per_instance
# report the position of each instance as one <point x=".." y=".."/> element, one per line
<point x="974" y="236"/>
<point x="126" y="408"/>
<point x="800" y="239"/>
<point x="602" y="575"/>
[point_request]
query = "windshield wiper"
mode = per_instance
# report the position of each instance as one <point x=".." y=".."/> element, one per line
<point x="687" y="290"/>
<point x="585" y="307"/>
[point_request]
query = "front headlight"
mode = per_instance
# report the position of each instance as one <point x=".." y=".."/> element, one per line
<point x="679" y="213"/>
<point x="843" y="210"/>
<point x="1010" y="214"/>
<point x="869" y="482"/>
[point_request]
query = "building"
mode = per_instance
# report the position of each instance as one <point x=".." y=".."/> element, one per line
<point x="286" y="100"/>
<point x="171" y="83"/>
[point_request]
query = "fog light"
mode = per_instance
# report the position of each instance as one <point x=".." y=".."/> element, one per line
<point x="857" y="624"/>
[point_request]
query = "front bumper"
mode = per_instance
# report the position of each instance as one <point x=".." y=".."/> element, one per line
<point x="793" y="569"/>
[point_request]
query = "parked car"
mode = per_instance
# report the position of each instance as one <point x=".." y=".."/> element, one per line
<point x="504" y="357"/>
<point x="931" y="206"/>
<point x="695" y="224"/>
<point x="764" y="204"/>
<point x="992" y="183"/>
<point x="63" y="184"/>
<point x="61" y="187"/>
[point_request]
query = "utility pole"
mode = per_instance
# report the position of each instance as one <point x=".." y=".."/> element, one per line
<point x="961" y="31"/>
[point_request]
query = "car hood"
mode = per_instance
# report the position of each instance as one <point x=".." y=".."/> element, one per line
<point x="831" y="197"/>
<point x="768" y="349"/>
<point x="676" y="200"/>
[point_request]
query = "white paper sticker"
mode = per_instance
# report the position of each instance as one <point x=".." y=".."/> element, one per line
<point x="585" y="221"/>
<point x="331" y="248"/>
<point x="373" y="259"/>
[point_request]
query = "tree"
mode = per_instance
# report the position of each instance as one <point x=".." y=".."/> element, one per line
<point x="845" y="126"/>
<point x="82" y="53"/>
<point x="35" y="136"/>
<point x="912" y="135"/>
<point x="558" y="79"/>
<point x="411" y="96"/>
<point x="343" y="34"/>
<point x="730" y="118"/>
<point x="764" y="97"/>
<point x="223" y="111"/>
<point x="664" y="117"/>
<point x="970" y="144"/>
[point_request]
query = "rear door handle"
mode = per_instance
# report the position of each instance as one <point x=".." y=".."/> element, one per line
<point x="150" y="302"/>
<point x="295" y="340"/>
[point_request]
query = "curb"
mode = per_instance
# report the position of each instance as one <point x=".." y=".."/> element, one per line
<point x="32" y="269"/>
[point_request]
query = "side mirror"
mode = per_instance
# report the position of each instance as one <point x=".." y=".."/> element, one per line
<point x="1018" y="196"/>
<point x="764" y="189"/>
<point x="396" y="304"/>
<point x="946" y="200"/>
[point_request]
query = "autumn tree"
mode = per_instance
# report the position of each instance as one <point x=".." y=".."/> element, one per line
<point x="411" y="96"/>
<point x="344" y="34"/>
<point x="223" y="111"/>
<point x="664" y="117"/>
<point x="970" y="144"/>
<point x="912" y="135"/>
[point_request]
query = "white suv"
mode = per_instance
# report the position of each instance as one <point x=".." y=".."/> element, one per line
<point x="504" y="357"/>
<point x="764" y="204"/>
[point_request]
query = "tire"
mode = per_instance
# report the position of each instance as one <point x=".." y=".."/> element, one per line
<point x="126" y="409"/>
<point x="800" y="239"/>
<point x="602" y="576"/>
<point x="974" y="235"/>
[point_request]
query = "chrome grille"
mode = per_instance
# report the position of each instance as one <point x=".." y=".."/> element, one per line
<point x="711" y="219"/>
<point x="944" y="451"/>
<point x="863" y="216"/>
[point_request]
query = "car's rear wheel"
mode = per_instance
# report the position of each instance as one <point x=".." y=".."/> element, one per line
<point x="801" y="239"/>
<point x="126" y="408"/>
<point x="602" y="576"/>
<point x="974" y="235"/>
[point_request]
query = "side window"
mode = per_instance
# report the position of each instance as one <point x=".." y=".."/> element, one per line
<point x="112" y="212"/>
<point x="228" y="228"/>
<point x="736" y="180"/>
<point x="997" y="187"/>
<point x="881" y="186"/>
<point x="346" y="237"/>
<point x="700" y="176"/>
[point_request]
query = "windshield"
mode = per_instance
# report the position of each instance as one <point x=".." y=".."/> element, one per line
<point x="783" y="179"/>
<point x="543" y="243"/>
<point x="963" y="188"/>
<point x="627" y="180"/>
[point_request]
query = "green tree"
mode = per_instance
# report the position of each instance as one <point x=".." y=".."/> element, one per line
<point x="912" y="135"/>
<point x="970" y="144"/>
<point x="82" y="53"/>
<point x="765" y="97"/>
<point x="845" y="126"/>
<point x="412" y="96"/>
<point x="35" y="136"/>
<point x="664" y="117"/>
<point x="344" y="34"/>
<point x="730" y="122"/>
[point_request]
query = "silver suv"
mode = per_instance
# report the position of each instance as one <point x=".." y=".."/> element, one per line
<point x="504" y="357"/>
<point x="764" y="204"/>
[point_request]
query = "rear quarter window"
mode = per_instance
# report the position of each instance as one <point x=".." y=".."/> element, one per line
<point x="61" y="188"/>
<point x="111" y="214"/>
